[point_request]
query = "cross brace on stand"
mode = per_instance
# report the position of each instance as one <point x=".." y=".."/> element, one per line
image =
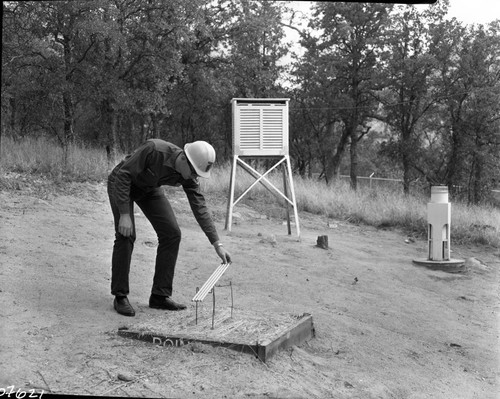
<point x="288" y="193"/>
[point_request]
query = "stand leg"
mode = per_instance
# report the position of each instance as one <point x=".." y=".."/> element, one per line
<point x="230" y="201"/>
<point x="287" y="205"/>
<point x="288" y="196"/>
<point x="292" y="191"/>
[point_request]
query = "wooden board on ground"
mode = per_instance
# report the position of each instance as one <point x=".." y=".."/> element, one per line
<point x="255" y="333"/>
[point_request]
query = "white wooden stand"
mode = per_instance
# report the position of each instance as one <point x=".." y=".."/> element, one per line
<point x="288" y="193"/>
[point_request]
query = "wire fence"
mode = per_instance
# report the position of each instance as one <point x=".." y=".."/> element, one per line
<point x="417" y="187"/>
<point x="376" y="182"/>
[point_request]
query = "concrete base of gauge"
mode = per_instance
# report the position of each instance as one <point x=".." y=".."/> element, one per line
<point x="449" y="266"/>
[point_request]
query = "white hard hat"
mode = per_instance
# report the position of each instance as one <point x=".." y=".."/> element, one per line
<point x="201" y="155"/>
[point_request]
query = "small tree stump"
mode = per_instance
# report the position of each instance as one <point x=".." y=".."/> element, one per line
<point x="322" y="242"/>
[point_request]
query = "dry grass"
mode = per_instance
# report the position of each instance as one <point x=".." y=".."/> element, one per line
<point x="375" y="207"/>
<point x="44" y="156"/>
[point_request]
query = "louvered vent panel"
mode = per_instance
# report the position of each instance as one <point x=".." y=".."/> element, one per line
<point x="250" y="129"/>
<point x="272" y="128"/>
<point x="260" y="127"/>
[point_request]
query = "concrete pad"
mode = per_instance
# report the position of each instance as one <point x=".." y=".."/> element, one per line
<point x="449" y="266"/>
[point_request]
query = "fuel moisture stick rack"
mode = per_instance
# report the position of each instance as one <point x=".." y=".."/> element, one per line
<point x="208" y="287"/>
<point x="209" y="284"/>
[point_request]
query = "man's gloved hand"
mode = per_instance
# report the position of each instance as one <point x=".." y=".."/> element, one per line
<point x="223" y="254"/>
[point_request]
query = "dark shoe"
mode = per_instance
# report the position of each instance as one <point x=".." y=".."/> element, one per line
<point x="123" y="306"/>
<point x="164" y="302"/>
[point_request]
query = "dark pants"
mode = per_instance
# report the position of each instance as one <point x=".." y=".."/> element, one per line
<point x="157" y="209"/>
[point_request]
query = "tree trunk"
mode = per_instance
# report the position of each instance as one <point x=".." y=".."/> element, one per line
<point x="478" y="181"/>
<point x="406" y="172"/>
<point x="354" y="158"/>
<point x="332" y="170"/>
<point x="13" y="112"/>
<point x="110" y="124"/>
<point x="309" y="166"/>
<point x="454" y="162"/>
<point x="155" y="124"/>
<point x="113" y="133"/>
<point x="478" y="172"/>
<point x="145" y="123"/>
<point x="406" y="151"/>
<point x="68" y="136"/>
<point x="68" y="106"/>
<point x="301" y="167"/>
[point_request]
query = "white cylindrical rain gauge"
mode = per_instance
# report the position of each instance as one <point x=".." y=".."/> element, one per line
<point x="438" y="219"/>
<point x="438" y="226"/>
<point x="439" y="194"/>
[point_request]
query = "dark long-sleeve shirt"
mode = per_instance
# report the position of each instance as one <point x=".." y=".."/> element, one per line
<point x="153" y="165"/>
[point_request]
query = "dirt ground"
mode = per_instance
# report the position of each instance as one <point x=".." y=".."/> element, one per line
<point x="385" y="328"/>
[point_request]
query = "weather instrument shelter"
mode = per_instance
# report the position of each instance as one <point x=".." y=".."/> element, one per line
<point x="260" y="132"/>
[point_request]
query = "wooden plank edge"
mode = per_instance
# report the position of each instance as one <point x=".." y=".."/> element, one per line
<point x="298" y="333"/>
<point x="181" y="340"/>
